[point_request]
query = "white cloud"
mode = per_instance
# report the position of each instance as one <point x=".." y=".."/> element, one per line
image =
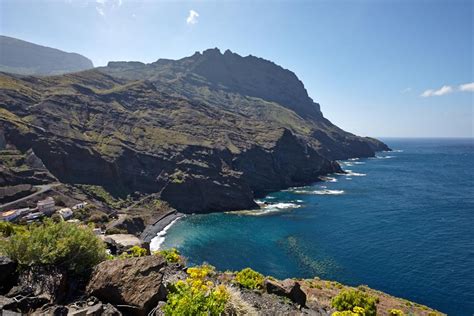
<point x="406" y="90"/>
<point x="105" y="5"/>
<point x="100" y="10"/>
<point x="192" y="17"/>
<point x="467" y="87"/>
<point x="441" y="91"/>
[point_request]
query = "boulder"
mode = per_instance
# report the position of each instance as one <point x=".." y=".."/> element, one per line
<point x="135" y="282"/>
<point x="118" y="243"/>
<point x="47" y="284"/>
<point x="288" y="288"/>
<point x="7" y="273"/>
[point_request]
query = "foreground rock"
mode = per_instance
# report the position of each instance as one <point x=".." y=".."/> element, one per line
<point x="288" y="288"/>
<point x="136" y="282"/>
<point x="7" y="273"/>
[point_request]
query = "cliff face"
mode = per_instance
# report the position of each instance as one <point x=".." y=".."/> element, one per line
<point x="194" y="130"/>
<point x="21" y="57"/>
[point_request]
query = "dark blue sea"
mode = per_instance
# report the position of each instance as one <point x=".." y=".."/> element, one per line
<point x="402" y="222"/>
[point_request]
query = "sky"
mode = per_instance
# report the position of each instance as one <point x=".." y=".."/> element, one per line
<point x="378" y="68"/>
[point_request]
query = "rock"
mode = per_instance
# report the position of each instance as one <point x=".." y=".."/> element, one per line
<point x="288" y="288"/>
<point x="131" y="224"/>
<point x="137" y="282"/>
<point x="7" y="273"/>
<point x="48" y="284"/>
<point x="119" y="243"/>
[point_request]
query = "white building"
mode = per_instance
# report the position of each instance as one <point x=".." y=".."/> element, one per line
<point x="79" y="206"/>
<point x="66" y="213"/>
<point x="46" y="206"/>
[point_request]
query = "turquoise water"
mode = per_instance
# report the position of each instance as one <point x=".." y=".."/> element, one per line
<point x="402" y="223"/>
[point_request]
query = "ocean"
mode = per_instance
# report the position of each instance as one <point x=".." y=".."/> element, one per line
<point x="402" y="223"/>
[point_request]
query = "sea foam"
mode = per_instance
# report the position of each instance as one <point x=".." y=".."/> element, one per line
<point x="156" y="242"/>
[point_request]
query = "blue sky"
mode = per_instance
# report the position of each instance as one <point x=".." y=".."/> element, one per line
<point x="378" y="68"/>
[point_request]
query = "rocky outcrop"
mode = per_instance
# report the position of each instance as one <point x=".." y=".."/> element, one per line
<point x="136" y="282"/>
<point x="119" y="243"/>
<point x="287" y="288"/>
<point x="7" y="273"/>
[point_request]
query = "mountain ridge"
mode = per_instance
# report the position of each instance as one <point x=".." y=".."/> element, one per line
<point x="26" y="58"/>
<point x="205" y="139"/>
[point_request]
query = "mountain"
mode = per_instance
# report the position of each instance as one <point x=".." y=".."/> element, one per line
<point x="208" y="132"/>
<point x="21" y="57"/>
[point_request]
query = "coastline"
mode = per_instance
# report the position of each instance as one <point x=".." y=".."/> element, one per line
<point x="152" y="231"/>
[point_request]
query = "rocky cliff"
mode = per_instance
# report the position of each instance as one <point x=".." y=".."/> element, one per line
<point x="208" y="132"/>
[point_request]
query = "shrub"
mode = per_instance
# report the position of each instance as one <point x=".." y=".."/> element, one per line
<point x="171" y="255"/>
<point x="249" y="279"/>
<point x="348" y="300"/>
<point x="197" y="295"/>
<point x="135" y="251"/>
<point x="73" y="247"/>
<point x="396" y="312"/>
<point x="356" y="311"/>
<point x="7" y="229"/>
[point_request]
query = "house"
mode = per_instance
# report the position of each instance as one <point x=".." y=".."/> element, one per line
<point x="79" y="206"/>
<point x="9" y="216"/>
<point x="66" y="213"/>
<point x="46" y="206"/>
<point x="33" y="217"/>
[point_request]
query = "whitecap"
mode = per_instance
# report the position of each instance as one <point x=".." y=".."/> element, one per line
<point x="353" y="159"/>
<point x="328" y="179"/>
<point x="157" y="241"/>
<point x="328" y="192"/>
<point x="348" y="178"/>
<point x="268" y="209"/>
<point x="359" y="163"/>
<point x="354" y="174"/>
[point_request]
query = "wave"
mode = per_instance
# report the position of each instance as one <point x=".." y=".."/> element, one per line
<point x="359" y="163"/>
<point x="328" y="192"/>
<point x="348" y="178"/>
<point x="396" y="151"/>
<point x="328" y="179"/>
<point x="354" y="174"/>
<point x="157" y="241"/>
<point x="268" y="208"/>
<point x="353" y="159"/>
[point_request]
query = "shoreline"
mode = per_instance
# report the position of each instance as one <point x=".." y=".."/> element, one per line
<point x="152" y="231"/>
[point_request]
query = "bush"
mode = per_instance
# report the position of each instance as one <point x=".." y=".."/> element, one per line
<point x="7" y="229"/>
<point x="73" y="247"/>
<point x="171" y="255"/>
<point x="356" y="311"/>
<point x="135" y="251"/>
<point x="395" y="312"/>
<point x="249" y="279"/>
<point x="197" y="295"/>
<point x="348" y="300"/>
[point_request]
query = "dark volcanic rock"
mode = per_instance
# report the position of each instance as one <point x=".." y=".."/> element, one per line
<point x="137" y="282"/>
<point x="46" y="283"/>
<point x="288" y="288"/>
<point x="7" y="273"/>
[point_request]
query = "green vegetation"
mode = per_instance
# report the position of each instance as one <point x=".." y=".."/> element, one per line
<point x="197" y="295"/>
<point x="395" y="312"/>
<point x="135" y="251"/>
<point x="249" y="279"/>
<point x="7" y="229"/>
<point x="348" y="300"/>
<point x="73" y="247"/>
<point x="356" y="311"/>
<point x="101" y="194"/>
<point x="171" y="255"/>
